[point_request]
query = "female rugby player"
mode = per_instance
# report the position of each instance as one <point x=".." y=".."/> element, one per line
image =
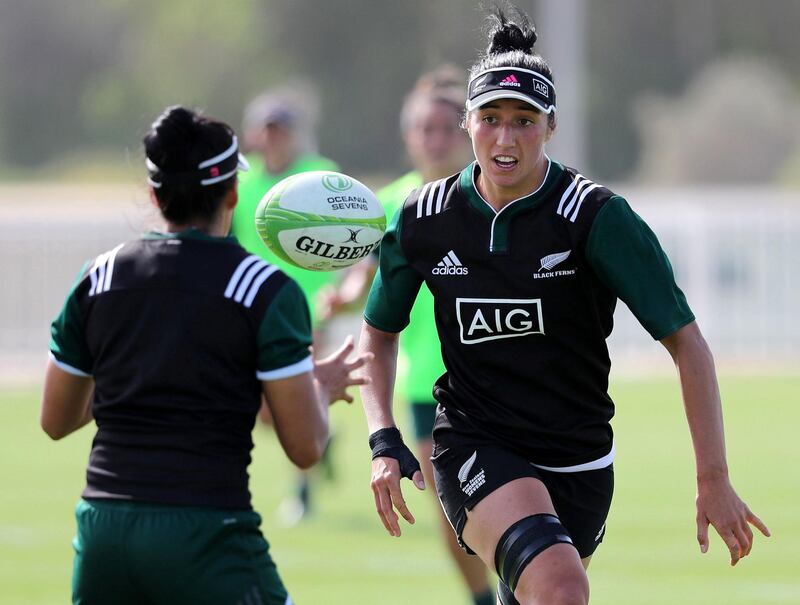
<point x="169" y="343"/>
<point x="526" y="259"/>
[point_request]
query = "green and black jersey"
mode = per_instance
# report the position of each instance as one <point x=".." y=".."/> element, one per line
<point x="177" y="331"/>
<point x="524" y="302"/>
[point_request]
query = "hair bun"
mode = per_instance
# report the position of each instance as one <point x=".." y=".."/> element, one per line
<point x="506" y="35"/>
<point x="176" y="123"/>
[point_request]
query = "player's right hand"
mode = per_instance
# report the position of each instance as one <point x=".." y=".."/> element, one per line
<point x="335" y="373"/>
<point x="385" y="485"/>
<point x="328" y="303"/>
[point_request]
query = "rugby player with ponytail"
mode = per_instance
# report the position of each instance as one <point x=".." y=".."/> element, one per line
<point x="526" y="259"/>
<point x="170" y="342"/>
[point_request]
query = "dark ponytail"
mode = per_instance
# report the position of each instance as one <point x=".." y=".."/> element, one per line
<point x="509" y="36"/>
<point x="511" y="40"/>
<point x="178" y="141"/>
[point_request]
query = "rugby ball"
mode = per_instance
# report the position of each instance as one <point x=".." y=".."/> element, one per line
<point x="320" y="220"/>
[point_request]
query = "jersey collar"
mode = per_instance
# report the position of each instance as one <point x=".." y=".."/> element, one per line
<point x="476" y="200"/>
<point x="192" y="233"/>
<point x="500" y="221"/>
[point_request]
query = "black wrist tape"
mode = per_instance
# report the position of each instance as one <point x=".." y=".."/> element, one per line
<point x="388" y="442"/>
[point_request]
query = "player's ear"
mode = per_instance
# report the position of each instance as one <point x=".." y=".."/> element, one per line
<point x="552" y="124"/>
<point x="232" y="197"/>
<point x="153" y="199"/>
<point x="465" y="124"/>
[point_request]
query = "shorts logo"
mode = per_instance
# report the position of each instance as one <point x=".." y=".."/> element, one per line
<point x="470" y="486"/>
<point x="600" y="533"/>
<point x="450" y="265"/>
<point x="550" y="261"/>
<point x="483" y="319"/>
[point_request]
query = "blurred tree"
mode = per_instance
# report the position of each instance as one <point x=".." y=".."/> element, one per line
<point x="364" y="56"/>
<point x="47" y="52"/>
<point x="183" y="51"/>
<point x="738" y="122"/>
<point x="90" y="74"/>
<point x="658" y="47"/>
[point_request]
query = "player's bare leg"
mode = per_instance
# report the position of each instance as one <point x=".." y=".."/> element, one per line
<point x="556" y="576"/>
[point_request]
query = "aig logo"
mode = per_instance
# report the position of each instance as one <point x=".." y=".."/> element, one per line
<point x="482" y="319"/>
<point x="541" y="88"/>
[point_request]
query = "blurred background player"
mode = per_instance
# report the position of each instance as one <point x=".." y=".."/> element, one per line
<point x="430" y="121"/>
<point x="279" y="131"/>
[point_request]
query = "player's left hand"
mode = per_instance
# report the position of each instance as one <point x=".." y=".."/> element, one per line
<point x="719" y="505"/>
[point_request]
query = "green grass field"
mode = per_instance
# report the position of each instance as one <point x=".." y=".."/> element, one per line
<point x="342" y="554"/>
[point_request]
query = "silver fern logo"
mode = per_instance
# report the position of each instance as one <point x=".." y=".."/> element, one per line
<point x="470" y="486"/>
<point x="463" y="472"/>
<point x="551" y="260"/>
<point x="548" y="264"/>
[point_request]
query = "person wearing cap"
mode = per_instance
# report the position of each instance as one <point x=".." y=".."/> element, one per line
<point x="169" y="343"/>
<point x="430" y="122"/>
<point x="279" y="129"/>
<point x="526" y="259"/>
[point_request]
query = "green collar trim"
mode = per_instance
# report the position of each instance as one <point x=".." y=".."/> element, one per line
<point x="193" y="233"/>
<point x="501" y="221"/>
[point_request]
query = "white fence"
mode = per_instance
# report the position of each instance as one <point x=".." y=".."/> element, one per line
<point x="736" y="253"/>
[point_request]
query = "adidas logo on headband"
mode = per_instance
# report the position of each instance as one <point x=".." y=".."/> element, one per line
<point x="209" y="172"/>
<point x="511" y="83"/>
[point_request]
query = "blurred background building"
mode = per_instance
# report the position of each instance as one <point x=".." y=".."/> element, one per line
<point x="689" y="109"/>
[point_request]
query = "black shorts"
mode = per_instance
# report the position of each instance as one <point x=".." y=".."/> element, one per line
<point x="468" y="466"/>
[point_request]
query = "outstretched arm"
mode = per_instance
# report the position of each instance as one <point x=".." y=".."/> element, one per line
<point x="398" y="461"/>
<point x="717" y="501"/>
<point x="298" y="405"/>
<point x="350" y="293"/>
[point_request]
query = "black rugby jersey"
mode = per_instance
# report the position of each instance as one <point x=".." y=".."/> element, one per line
<point x="524" y="302"/>
<point x="177" y="332"/>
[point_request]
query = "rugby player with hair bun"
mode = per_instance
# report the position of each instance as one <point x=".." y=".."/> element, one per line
<point x="526" y="259"/>
<point x="169" y="343"/>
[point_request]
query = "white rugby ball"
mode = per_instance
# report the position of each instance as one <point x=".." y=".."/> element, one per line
<point x="321" y="220"/>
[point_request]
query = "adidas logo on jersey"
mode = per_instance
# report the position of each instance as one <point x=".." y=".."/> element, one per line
<point x="510" y="81"/>
<point x="450" y="265"/>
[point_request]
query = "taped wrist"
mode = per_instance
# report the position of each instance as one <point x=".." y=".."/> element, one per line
<point x="388" y="443"/>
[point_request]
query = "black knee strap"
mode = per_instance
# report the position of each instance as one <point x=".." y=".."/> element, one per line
<point x="523" y="541"/>
<point x="505" y="595"/>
